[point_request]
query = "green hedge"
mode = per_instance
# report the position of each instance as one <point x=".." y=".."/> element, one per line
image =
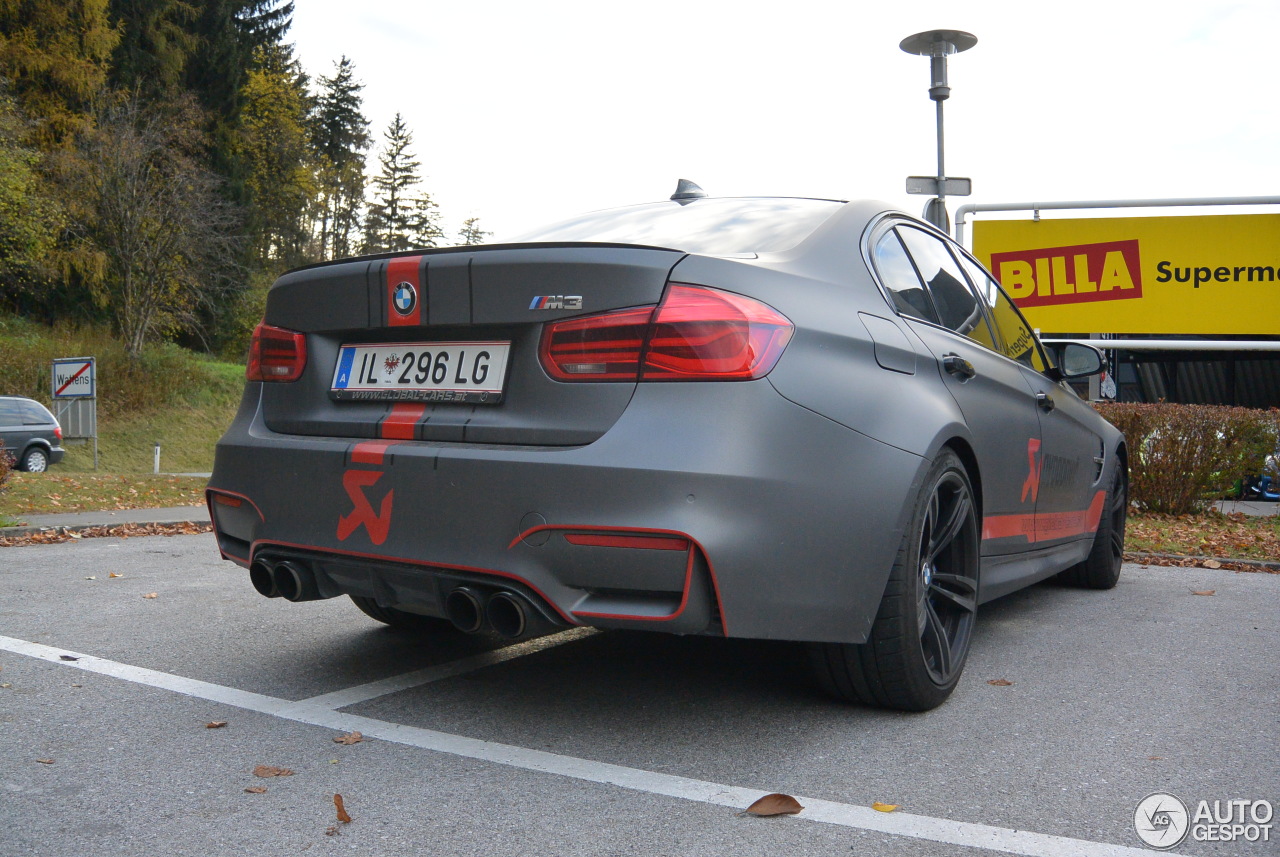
<point x="1182" y="457"/>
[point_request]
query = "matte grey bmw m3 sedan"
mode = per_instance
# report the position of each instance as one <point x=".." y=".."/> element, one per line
<point x="790" y="419"/>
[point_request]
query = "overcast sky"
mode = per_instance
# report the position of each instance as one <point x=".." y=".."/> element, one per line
<point x="525" y="112"/>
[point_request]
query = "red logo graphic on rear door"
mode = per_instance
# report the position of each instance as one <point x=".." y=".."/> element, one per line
<point x="355" y="481"/>
<point x="1032" y="485"/>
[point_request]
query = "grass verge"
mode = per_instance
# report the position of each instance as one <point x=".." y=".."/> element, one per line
<point x="1211" y="534"/>
<point x="53" y="492"/>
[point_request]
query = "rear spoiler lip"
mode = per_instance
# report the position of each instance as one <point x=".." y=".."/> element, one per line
<point x="472" y="248"/>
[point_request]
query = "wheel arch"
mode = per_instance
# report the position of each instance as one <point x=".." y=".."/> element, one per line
<point x="964" y="450"/>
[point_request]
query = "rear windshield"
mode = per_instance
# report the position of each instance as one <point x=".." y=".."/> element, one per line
<point x="716" y="227"/>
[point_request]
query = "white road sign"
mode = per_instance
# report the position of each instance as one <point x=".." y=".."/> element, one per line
<point x="73" y="378"/>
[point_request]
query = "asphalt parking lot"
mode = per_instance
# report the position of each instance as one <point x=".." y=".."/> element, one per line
<point x="602" y="743"/>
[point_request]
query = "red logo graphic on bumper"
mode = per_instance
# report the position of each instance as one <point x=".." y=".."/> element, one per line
<point x="355" y="481"/>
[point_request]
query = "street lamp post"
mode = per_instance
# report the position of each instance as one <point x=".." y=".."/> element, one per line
<point x="937" y="45"/>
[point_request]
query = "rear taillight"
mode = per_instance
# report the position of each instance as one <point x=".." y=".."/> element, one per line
<point x="695" y="334"/>
<point x="57" y="432"/>
<point x="604" y="347"/>
<point x="276" y="354"/>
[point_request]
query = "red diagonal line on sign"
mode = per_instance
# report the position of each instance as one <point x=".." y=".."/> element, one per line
<point x="83" y="369"/>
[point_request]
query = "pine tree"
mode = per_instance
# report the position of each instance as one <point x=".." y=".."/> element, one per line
<point x="228" y="32"/>
<point x="424" y="222"/>
<point x="471" y="232"/>
<point x="341" y="138"/>
<point x="400" y="217"/>
<point x="157" y="38"/>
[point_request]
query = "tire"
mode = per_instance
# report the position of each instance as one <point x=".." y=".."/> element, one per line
<point x="400" y="619"/>
<point x="1101" y="569"/>
<point x="34" y="460"/>
<point x="918" y="643"/>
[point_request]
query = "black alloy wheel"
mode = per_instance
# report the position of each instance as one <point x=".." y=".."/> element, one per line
<point x="1101" y="569"/>
<point x="947" y="593"/>
<point x="918" y="644"/>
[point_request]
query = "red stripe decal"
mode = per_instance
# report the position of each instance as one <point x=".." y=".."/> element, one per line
<point x="1008" y="526"/>
<point x="399" y="424"/>
<point x="1046" y="527"/>
<point x="404" y="269"/>
<point x="369" y="452"/>
<point x="640" y="542"/>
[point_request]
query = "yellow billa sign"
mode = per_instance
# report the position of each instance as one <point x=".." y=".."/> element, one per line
<point x="1212" y="274"/>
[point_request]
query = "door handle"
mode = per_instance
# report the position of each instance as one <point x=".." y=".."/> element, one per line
<point x="954" y="364"/>
<point x="1045" y="401"/>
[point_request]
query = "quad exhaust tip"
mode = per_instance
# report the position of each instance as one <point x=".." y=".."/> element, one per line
<point x="260" y="575"/>
<point x="465" y="609"/>
<point x="506" y="613"/>
<point x="286" y="579"/>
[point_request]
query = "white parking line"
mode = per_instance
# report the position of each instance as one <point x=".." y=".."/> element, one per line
<point x="320" y="711"/>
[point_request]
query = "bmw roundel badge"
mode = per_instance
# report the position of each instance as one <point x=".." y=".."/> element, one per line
<point x="406" y="298"/>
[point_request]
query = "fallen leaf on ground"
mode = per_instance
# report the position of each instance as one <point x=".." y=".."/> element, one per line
<point x="271" y="771"/>
<point x="884" y="807"/>
<point x="74" y="534"/>
<point x="332" y="831"/>
<point x="6" y="684"/>
<point x="1155" y="758"/>
<point x="1212" y="563"/>
<point x="215" y="724"/>
<point x="349" y="738"/>
<point x="91" y="577"/>
<point x="774" y="804"/>
<point x="342" y="810"/>
<point x="67" y="658"/>
<point x="45" y="761"/>
<point x="1000" y="682"/>
<point x="256" y="790"/>
<point x="152" y="595"/>
<point x="1203" y="591"/>
<point x="113" y="574"/>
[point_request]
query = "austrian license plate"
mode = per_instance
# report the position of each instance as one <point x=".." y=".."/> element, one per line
<point x="466" y="372"/>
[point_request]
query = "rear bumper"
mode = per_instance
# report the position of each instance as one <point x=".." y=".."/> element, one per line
<point x="55" y="454"/>
<point x="707" y="508"/>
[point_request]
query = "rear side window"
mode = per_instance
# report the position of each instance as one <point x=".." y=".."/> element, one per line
<point x="10" y="414"/>
<point x="958" y="307"/>
<point x="34" y="414"/>
<point x="901" y="281"/>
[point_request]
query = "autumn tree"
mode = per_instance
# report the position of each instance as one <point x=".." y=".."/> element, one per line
<point x="273" y="143"/>
<point x="401" y="216"/>
<point x="55" y="54"/>
<point x="153" y="238"/>
<point x="341" y="140"/>
<point x="471" y="233"/>
<point x="29" y="216"/>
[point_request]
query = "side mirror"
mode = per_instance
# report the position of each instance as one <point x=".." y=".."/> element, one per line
<point x="1079" y="361"/>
